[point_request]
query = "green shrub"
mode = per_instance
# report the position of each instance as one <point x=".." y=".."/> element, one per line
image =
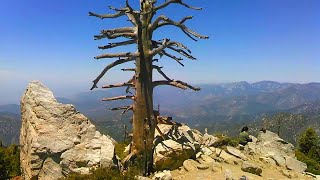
<point x="225" y="140"/>
<point x="307" y="140"/>
<point x="104" y="174"/>
<point x="313" y="165"/>
<point x="309" y="150"/>
<point x="9" y="162"/>
<point x="119" y="150"/>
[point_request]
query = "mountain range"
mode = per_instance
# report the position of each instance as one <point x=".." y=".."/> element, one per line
<point x="216" y="106"/>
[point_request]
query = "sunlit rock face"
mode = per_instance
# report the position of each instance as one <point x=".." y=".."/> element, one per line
<point x="56" y="139"/>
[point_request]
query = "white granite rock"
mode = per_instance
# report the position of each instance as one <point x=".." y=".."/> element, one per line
<point x="56" y="139"/>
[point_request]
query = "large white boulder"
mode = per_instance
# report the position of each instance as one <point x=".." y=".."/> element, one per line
<point x="270" y="143"/>
<point x="56" y="139"/>
<point x="170" y="154"/>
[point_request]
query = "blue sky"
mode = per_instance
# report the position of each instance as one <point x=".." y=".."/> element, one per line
<point x="251" y="40"/>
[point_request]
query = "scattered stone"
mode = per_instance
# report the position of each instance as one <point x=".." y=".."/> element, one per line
<point x="250" y="148"/>
<point x="207" y="151"/>
<point x="216" y="167"/>
<point x="56" y="139"/>
<point x="279" y="159"/>
<point x="209" y="140"/>
<point x="190" y="165"/>
<point x="182" y="133"/>
<point x="202" y="166"/>
<point x="228" y="175"/>
<point x="295" y="165"/>
<point x="213" y="149"/>
<point x="286" y="173"/>
<point x="142" y="178"/>
<point x="218" y="151"/>
<point x="165" y="175"/>
<point x="254" y="139"/>
<point x="236" y="152"/>
<point x="268" y="160"/>
<point x="244" y="178"/>
<point x="251" y="168"/>
<point x="198" y="155"/>
<point x="227" y="158"/>
<point x="171" y="154"/>
<point x="206" y="159"/>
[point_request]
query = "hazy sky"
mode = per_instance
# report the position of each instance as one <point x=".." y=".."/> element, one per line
<point x="251" y="40"/>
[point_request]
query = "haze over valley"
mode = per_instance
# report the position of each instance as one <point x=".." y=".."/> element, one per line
<point x="224" y="107"/>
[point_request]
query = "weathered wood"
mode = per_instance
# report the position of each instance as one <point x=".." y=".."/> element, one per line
<point x="144" y="121"/>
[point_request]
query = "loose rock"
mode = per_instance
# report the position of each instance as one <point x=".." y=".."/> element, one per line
<point x="251" y="168"/>
<point x="236" y="153"/>
<point x="165" y="175"/>
<point x="190" y="165"/>
<point x="295" y="165"/>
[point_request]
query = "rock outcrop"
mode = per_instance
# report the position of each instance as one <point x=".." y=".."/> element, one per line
<point x="267" y="157"/>
<point x="270" y="145"/>
<point x="177" y="145"/>
<point x="56" y="139"/>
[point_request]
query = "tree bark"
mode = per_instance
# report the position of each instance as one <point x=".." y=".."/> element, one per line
<point x="144" y="123"/>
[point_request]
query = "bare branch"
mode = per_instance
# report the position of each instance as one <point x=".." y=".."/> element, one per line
<point x="173" y="57"/>
<point x="189" y="86"/>
<point x="178" y="84"/>
<point x="118" y="85"/>
<point x="171" y="83"/>
<point x="173" y="43"/>
<point x="182" y="52"/>
<point x="168" y="2"/>
<point x="112" y="45"/>
<point x="125" y="108"/>
<point x="116" y="35"/>
<point x="119" y="108"/>
<point x="118" y="98"/>
<point x="120" y="61"/>
<point x="131" y="14"/>
<point x="102" y="16"/>
<point x="167" y="21"/>
<point x="118" y="55"/>
<point x="128" y="69"/>
<point x="157" y="50"/>
<point x="161" y="72"/>
<point x="127" y="32"/>
<point x="156" y="24"/>
<point x="128" y="109"/>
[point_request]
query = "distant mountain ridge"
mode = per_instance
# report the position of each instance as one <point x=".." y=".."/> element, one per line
<point x="215" y="103"/>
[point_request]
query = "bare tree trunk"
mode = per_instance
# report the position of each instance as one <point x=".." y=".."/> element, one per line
<point x="143" y="118"/>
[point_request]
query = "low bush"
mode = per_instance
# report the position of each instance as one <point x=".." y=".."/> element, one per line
<point x="119" y="150"/>
<point x="104" y="174"/>
<point x="225" y="140"/>
<point x="313" y="165"/>
<point x="309" y="150"/>
<point x="9" y="161"/>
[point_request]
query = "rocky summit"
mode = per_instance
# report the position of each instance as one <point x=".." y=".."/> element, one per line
<point x="267" y="157"/>
<point x="56" y="139"/>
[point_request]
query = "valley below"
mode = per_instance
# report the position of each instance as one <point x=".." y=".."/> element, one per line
<point x="221" y="108"/>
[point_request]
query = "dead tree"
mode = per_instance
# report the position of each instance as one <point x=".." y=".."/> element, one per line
<point x="141" y="34"/>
